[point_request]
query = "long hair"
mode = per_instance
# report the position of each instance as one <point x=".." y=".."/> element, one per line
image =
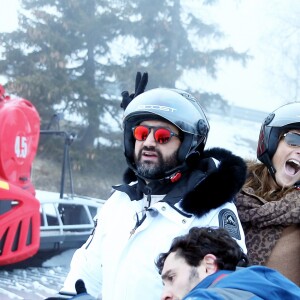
<point x="260" y="180"/>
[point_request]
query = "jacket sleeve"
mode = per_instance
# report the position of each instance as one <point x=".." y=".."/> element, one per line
<point x="226" y="216"/>
<point x="86" y="262"/>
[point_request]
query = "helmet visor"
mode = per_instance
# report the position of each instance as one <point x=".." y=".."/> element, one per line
<point x="292" y="139"/>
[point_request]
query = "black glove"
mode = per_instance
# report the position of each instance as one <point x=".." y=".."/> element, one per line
<point x="80" y="290"/>
<point x="80" y="287"/>
<point x="140" y="85"/>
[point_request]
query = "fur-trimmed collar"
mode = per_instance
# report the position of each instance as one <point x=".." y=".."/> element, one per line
<point x="217" y="186"/>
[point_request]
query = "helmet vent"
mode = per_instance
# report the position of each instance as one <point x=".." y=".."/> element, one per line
<point x="202" y="128"/>
<point x="269" y="119"/>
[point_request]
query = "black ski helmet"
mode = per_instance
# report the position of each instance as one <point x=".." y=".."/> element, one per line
<point x="279" y="121"/>
<point x="175" y="106"/>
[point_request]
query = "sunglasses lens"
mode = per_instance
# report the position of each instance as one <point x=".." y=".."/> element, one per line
<point x="162" y="135"/>
<point x="140" y="133"/>
<point x="292" y="139"/>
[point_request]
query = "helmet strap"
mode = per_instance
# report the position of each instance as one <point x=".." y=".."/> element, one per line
<point x="266" y="160"/>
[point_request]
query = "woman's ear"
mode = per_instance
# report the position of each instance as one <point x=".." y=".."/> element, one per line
<point x="209" y="261"/>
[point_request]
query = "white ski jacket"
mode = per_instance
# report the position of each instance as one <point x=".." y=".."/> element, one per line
<point x="117" y="261"/>
<point x="115" y="255"/>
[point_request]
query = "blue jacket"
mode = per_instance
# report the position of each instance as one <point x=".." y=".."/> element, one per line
<point x="256" y="282"/>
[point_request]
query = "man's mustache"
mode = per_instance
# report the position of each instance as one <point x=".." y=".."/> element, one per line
<point x="152" y="148"/>
<point x="145" y="148"/>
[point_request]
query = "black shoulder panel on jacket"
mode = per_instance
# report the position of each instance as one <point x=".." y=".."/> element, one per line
<point x="220" y="185"/>
<point x="131" y="190"/>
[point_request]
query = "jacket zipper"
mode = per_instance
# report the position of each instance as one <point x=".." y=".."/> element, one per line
<point x="92" y="233"/>
<point x="138" y="221"/>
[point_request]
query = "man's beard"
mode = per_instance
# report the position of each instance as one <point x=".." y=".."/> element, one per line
<point x="151" y="170"/>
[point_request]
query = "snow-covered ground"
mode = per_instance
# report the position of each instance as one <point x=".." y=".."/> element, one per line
<point x="35" y="283"/>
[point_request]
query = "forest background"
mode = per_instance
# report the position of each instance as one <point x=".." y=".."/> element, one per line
<point x="72" y="59"/>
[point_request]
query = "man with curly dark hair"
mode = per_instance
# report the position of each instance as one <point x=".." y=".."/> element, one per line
<point x="202" y="265"/>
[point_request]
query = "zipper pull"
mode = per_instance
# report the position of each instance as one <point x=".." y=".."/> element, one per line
<point x="95" y="225"/>
<point x="92" y="233"/>
<point x="132" y="231"/>
<point x="137" y="224"/>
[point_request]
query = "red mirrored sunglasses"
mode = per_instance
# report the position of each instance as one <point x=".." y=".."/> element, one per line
<point x="292" y="139"/>
<point x="161" y="135"/>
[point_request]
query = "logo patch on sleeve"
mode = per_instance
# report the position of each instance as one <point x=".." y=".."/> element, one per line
<point x="229" y="221"/>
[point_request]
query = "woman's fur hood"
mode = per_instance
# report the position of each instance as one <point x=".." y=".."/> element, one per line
<point x="218" y="185"/>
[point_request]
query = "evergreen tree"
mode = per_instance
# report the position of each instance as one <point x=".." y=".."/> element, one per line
<point x="78" y="55"/>
<point x="58" y="58"/>
<point x="170" y="40"/>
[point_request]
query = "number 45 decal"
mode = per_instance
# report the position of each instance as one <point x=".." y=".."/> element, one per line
<point x="21" y="146"/>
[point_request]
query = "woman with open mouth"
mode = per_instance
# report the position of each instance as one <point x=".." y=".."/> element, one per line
<point x="269" y="202"/>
